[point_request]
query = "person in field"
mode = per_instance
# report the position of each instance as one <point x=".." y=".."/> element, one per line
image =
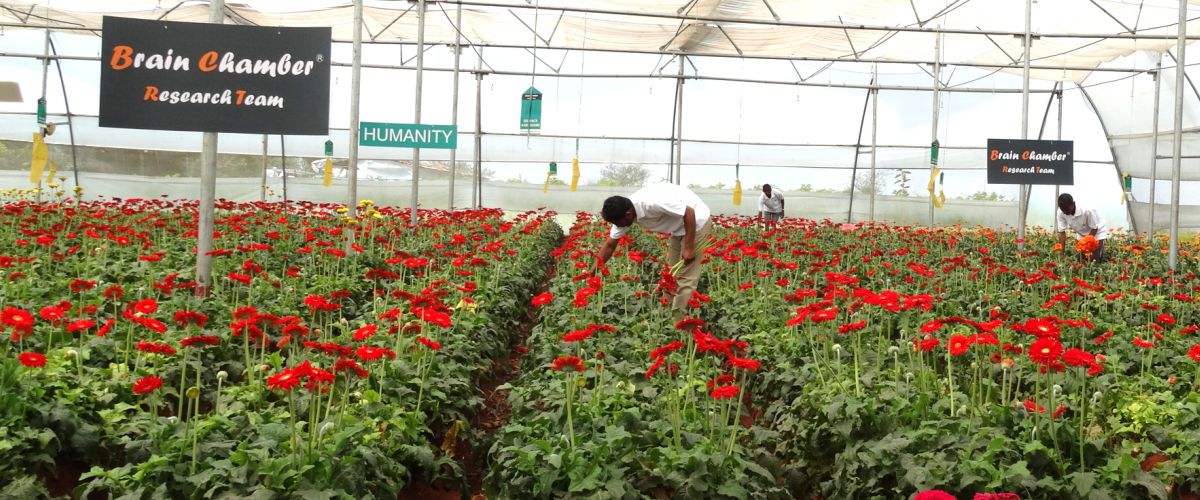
<point x="770" y="205"/>
<point x="1085" y="221"/>
<point x="663" y="208"/>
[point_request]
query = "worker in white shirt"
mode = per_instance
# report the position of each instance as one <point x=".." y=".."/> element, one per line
<point x="1084" y="221"/>
<point x="663" y="208"/>
<point x="770" y="205"/>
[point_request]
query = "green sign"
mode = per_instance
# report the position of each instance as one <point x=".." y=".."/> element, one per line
<point x="553" y="168"/>
<point x="933" y="153"/>
<point x="406" y="135"/>
<point x="531" y="109"/>
<point x="41" y="111"/>
<point x="329" y="148"/>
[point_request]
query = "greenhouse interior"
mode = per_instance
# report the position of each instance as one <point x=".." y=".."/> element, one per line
<point x="380" y="249"/>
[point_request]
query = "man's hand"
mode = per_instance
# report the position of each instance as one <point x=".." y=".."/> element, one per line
<point x="689" y="254"/>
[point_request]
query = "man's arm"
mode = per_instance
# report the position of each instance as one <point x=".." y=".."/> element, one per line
<point x="606" y="250"/>
<point x="689" y="235"/>
<point x="1062" y="239"/>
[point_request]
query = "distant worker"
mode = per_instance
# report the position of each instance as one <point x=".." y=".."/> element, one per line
<point x="1084" y="221"/>
<point x="770" y="205"/>
<point x="663" y="208"/>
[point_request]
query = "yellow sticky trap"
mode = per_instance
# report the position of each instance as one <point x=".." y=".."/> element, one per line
<point x="737" y="192"/>
<point x="939" y="198"/>
<point x="328" y="181"/>
<point x="1123" y="196"/>
<point x="38" y="162"/>
<point x="546" y="186"/>
<point x="53" y="171"/>
<point x="574" y="174"/>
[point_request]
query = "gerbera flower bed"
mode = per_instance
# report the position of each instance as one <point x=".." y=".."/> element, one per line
<point x="853" y="361"/>
<point x="318" y="366"/>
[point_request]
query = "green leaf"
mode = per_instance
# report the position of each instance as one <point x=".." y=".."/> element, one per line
<point x="731" y="488"/>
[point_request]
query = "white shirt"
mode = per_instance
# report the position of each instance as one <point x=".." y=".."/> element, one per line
<point x="1083" y="222"/>
<point x="774" y="204"/>
<point x="660" y="208"/>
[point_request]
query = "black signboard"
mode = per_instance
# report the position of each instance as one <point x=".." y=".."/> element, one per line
<point x="214" y="78"/>
<point x="1018" y="161"/>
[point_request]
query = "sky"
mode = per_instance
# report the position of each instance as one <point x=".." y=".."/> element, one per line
<point x="641" y="109"/>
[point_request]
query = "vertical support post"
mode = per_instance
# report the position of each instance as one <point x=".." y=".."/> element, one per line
<point x="1023" y="196"/>
<point x="874" y="127"/>
<point x="679" y="121"/>
<point x="42" y="102"/>
<point x="937" y="82"/>
<point x="355" y="117"/>
<point x="1154" y="146"/>
<point x="1177" y="147"/>
<point x="454" y="100"/>
<point x="477" y="183"/>
<point x="262" y="188"/>
<point x="1058" y="187"/>
<point x="208" y="188"/>
<point x="283" y="166"/>
<point x="674" y="118"/>
<point x="416" y="162"/>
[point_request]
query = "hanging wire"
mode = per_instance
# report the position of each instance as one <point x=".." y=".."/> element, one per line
<point x="536" y="15"/>
<point x="741" y="94"/>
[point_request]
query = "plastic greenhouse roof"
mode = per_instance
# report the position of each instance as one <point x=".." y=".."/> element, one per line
<point x="1072" y="37"/>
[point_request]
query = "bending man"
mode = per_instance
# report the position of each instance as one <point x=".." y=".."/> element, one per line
<point x="770" y="205"/>
<point x="664" y="208"/>
<point x="1084" y="221"/>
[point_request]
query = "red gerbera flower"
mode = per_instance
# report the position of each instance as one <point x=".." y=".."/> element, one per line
<point x="725" y="392"/>
<point x="542" y="299"/>
<point x="285" y="380"/>
<point x="81" y="325"/>
<point x="744" y="363"/>
<point x="1194" y="353"/>
<point x="368" y="353"/>
<point x="146" y="385"/>
<point x="432" y="344"/>
<point x="1078" y="357"/>
<point x="852" y="327"/>
<point x="51" y="313"/>
<point x="572" y="362"/>
<point x="689" y="324"/>
<point x="1045" y="351"/>
<point x="1145" y="344"/>
<point x="958" y="345"/>
<point x="145" y="306"/>
<point x="201" y="340"/>
<point x="1166" y="319"/>
<point x="578" y="335"/>
<point x="32" y="359"/>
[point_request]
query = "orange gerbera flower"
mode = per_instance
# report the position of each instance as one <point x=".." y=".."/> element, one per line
<point x="1086" y="244"/>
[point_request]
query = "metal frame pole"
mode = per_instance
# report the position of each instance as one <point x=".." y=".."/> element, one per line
<point x="874" y="128"/>
<point x="937" y="82"/>
<point x="679" y="122"/>
<point x="1023" y="196"/>
<point x="70" y="123"/>
<point x="862" y="121"/>
<point x="355" y="117"/>
<point x="477" y="182"/>
<point x="1154" y="146"/>
<point x="454" y="102"/>
<point x="416" y="162"/>
<point x="1177" y="147"/>
<point x="262" y="188"/>
<point x="208" y="188"/>
<point x="1057" y="187"/>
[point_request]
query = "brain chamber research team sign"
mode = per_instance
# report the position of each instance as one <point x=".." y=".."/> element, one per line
<point x="214" y="78"/>
<point x="1016" y="161"/>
